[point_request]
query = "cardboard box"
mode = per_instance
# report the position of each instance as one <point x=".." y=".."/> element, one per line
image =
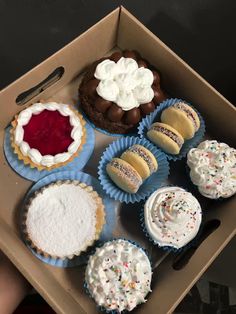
<point x="63" y="288"/>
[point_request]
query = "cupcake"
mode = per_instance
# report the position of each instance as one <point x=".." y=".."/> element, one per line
<point x="62" y="219"/>
<point x="47" y="135"/>
<point x="172" y="217"/>
<point x="118" y="91"/>
<point x="213" y="169"/>
<point x="118" y="276"/>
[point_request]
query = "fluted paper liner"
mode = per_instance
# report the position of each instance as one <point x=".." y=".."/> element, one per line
<point x="115" y="149"/>
<point x="155" y="116"/>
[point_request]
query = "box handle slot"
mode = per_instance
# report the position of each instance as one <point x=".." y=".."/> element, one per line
<point x="42" y="86"/>
<point x="182" y="259"/>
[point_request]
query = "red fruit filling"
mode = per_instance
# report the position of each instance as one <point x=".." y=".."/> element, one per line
<point x="49" y="132"/>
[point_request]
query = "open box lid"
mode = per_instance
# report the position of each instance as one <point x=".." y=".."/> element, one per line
<point x="121" y="29"/>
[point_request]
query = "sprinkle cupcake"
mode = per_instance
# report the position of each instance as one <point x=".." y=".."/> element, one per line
<point x="47" y="135"/>
<point x="213" y="169"/>
<point x="62" y="219"/>
<point x="172" y="217"/>
<point x="118" y="276"/>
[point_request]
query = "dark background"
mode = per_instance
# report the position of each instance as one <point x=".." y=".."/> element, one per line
<point x="202" y="32"/>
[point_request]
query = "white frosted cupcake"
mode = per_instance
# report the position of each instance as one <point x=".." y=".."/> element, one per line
<point x="62" y="219"/>
<point x="118" y="276"/>
<point x="213" y="169"/>
<point x="172" y="217"/>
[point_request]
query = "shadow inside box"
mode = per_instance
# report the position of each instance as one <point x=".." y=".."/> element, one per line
<point x="129" y="227"/>
<point x="216" y="302"/>
<point x="196" y="39"/>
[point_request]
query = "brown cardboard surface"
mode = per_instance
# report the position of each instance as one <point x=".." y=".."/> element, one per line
<point x="74" y="57"/>
<point x="62" y="288"/>
<point x="184" y="81"/>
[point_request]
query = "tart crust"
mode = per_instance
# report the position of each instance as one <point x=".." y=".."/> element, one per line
<point x="100" y="218"/>
<point x="28" y="161"/>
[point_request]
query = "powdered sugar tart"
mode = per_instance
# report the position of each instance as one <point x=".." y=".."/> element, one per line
<point x="118" y="276"/>
<point x="48" y="135"/>
<point x="62" y="219"/>
<point x="213" y="169"/>
<point x="172" y="217"/>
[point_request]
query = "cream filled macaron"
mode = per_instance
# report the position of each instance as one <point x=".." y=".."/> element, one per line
<point x="141" y="159"/>
<point x="183" y="118"/>
<point x="124" y="175"/>
<point x="172" y="217"/>
<point x="165" y="137"/>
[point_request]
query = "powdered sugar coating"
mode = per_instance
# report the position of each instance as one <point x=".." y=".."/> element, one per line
<point x="118" y="276"/>
<point x="61" y="220"/>
<point x="213" y="169"/>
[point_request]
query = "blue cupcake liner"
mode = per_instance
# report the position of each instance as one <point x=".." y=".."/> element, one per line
<point x="115" y="149"/>
<point x="33" y="174"/>
<point x="110" y="211"/>
<point x="146" y="123"/>
<point x="86" y="289"/>
<point x="100" y="129"/>
<point x="169" y="248"/>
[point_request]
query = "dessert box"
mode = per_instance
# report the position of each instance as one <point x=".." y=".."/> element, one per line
<point x="58" y="79"/>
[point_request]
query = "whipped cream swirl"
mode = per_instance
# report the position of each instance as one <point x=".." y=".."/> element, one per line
<point x="213" y="169"/>
<point x="124" y="83"/>
<point x="118" y="276"/>
<point x="172" y="216"/>
<point x="34" y="154"/>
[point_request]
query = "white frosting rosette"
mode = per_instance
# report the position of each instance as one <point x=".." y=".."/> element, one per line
<point x="172" y="217"/>
<point x="124" y="83"/>
<point x="213" y="169"/>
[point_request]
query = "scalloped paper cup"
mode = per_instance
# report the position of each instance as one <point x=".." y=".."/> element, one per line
<point x="86" y="289"/>
<point x="155" y="116"/>
<point x="115" y="149"/>
<point x="169" y="248"/>
<point x="110" y="207"/>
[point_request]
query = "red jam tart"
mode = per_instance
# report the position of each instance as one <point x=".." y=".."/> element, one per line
<point x="47" y="135"/>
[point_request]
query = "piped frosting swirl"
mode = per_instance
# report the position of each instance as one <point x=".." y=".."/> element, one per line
<point x="172" y="216"/>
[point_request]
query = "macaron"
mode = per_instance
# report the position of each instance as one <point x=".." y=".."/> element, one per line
<point x="141" y="159"/>
<point x="165" y="137"/>
<point x="183" y="118"/>
<point x="124" y="175"/>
